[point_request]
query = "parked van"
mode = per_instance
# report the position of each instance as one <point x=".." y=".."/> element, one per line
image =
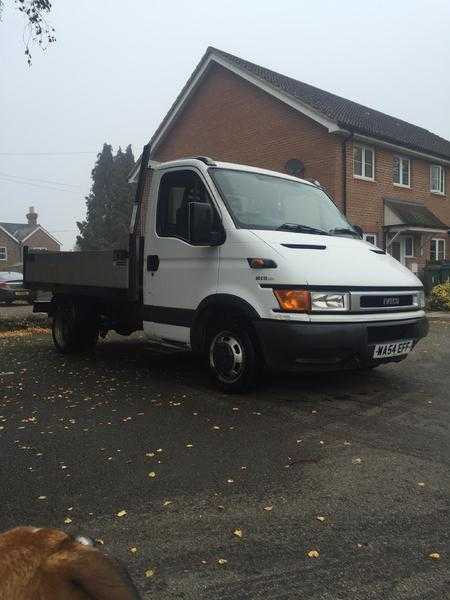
<point x="245" y="266"/>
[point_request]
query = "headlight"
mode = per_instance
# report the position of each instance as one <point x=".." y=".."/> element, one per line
<point x="421" y="299"/>
<point x="329" y="301"/>
<point x="306" y="302"/>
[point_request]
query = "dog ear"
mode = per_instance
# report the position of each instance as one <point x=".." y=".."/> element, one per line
<point x="101" y="577"/>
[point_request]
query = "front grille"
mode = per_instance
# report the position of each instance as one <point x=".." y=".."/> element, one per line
<point x="385" y="301"/>
<point x="390" y="333"/>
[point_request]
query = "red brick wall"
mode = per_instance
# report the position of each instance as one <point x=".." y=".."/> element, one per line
<point x="229" y="119"/>
<point x="365" y="206"/>
<point x="41" y="240"/>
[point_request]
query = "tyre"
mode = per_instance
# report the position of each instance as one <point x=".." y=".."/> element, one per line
<point x="233" y="356"/>
<point x="74" y="328"/>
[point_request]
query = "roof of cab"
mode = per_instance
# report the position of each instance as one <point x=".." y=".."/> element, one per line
<point x="199" y="162"/>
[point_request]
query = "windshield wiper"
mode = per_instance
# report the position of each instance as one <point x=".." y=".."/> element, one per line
<point x="298" y="228"/>
<point x="338" y="230"/>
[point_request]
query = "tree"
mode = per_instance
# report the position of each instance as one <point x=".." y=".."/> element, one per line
<point x="37" y="29"/>
<point x="109" y="203"/>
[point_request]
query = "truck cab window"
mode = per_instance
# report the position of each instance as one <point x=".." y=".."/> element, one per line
<point x="176" y="191"/>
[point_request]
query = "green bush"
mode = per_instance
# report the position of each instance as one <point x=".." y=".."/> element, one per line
<point x="440" y="297"/>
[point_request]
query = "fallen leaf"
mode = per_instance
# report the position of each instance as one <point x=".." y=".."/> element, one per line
<point x="150" y="454"/>
<point x="434" y="556"/>
<point x="356" y="461"/>
<point x="133" y="550"/>
<point x="238" y="533"/>
<point x="216" y="427"/>
<point x="268" y="508"/>
<point x="67" y="520"/>
<point x="189" y="445"/>
<point x="421" y="484"/>
<point x="321" y="519"/>
<point x="152" y="474"/>
<point x="42" y="497"/>
<point x="230" y="480"/>
<point x="150" y="573"/>
<point x="222" y="561"/>
<point x="313" y="554"/>
<point x="121" y="513"/>
<point x="167" y="502"/>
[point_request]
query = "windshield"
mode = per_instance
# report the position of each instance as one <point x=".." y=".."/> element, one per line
<point x="258" y="201"/>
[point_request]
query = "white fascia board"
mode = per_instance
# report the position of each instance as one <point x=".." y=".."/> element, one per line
<point x="400" y="228"/>
<point x="9" y="235"/>
<point x="39" y="228"/>
<point x="401" y="149"/>
<point x="301" y="107"/>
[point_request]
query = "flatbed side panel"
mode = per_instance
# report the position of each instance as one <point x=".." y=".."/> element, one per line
<point x="103" y="269"/>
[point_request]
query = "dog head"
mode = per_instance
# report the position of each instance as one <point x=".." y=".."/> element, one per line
<point x="48" y="564"/>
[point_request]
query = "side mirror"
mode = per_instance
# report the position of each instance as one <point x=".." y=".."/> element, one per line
<point x="358" y="230"/>
<point x="201" y="218"/>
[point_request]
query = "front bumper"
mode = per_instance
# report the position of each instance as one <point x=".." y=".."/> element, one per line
<point x="322" y="346"/>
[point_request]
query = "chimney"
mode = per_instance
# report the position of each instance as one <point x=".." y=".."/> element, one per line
<point x="32" y="216"/>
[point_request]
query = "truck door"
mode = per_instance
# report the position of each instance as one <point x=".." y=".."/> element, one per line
<point x="177" y="274"/>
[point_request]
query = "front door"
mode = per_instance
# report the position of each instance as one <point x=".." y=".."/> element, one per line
<point x="396" y="250"/>
<point x="177" y="274"/>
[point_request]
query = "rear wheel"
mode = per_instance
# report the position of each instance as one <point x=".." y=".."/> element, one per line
<point x="75" y="328"/>
<point x="233" y="356"/>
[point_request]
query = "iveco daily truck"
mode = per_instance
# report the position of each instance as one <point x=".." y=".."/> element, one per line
<point x="246" y="267"/>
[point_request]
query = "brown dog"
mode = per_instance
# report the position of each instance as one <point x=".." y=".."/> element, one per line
<point x="48" y="564"/>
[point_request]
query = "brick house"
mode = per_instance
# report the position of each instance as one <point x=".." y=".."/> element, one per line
<point x="388" y="176"/>
<point x="14" y="236"/>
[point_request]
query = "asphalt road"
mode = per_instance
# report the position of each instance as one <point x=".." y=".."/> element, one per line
<point x="206" y="478"/>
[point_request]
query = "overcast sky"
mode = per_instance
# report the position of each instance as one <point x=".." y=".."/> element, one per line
<point x="117" y="66"/>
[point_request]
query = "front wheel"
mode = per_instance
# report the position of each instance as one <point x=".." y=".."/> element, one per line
<point x="233" y="357"/>
<point x="74" y="328"/>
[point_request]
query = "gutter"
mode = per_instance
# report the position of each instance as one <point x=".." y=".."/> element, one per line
<point x="344" y="172"/>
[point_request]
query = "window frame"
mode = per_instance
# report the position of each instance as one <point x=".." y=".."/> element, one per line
<point x="5" y="248"/>
<point x="401" y="159"/>
<point x="437" y="240"/>
<point x="364" y="149"/>
<point x="440" y="192"/>
<point x="409" y="237"/>
<point x="372" y="235"/>
<point x="210" y="196"/>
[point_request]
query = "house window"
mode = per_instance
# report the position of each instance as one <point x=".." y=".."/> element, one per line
<point x="437" y="249"/>
<point x="401" y="171"/>
<point x="363" y="162"/>
<point x="409" y="247"/>
<point x="371" y="238"/>
<point x="3" y="253"/>
<point x="437" y="179"/>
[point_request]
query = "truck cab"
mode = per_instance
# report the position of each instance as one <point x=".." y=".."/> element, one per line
<point x="251" y="268"/>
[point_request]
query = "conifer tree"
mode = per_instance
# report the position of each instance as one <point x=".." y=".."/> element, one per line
<point x="109" y="202"/>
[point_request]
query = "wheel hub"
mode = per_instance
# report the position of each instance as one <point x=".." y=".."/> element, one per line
<point x="227" y="356"/>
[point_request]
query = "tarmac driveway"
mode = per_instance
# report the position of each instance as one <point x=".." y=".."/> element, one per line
<point x="330" y="487"/>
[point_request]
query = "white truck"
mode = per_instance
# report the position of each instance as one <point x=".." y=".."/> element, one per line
<point x="246" y="267"/>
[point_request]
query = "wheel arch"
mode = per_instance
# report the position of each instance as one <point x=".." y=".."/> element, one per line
<point x="228" y="304"/>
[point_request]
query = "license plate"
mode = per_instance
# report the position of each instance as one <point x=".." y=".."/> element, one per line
<point x="393" y="349"/>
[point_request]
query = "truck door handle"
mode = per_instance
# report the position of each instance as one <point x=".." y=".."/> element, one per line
<point x="152" y="262"/>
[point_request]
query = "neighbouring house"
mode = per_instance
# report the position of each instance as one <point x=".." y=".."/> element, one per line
<point x="14" y="236"/>
<point x="388" y="176"/>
